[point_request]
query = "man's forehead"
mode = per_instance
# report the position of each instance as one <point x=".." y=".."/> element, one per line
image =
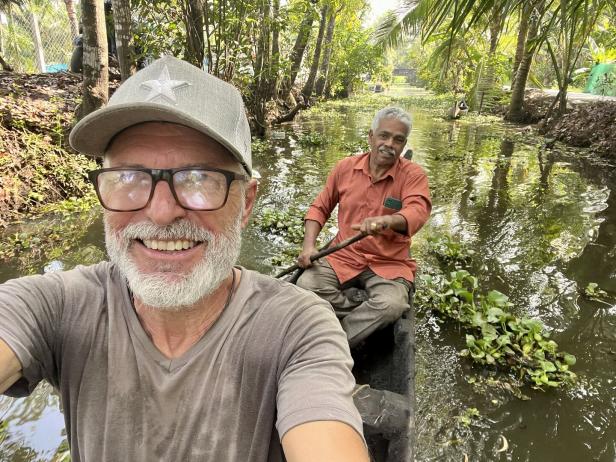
<point x="392" y="126"/>
<point x="167" y="136"/>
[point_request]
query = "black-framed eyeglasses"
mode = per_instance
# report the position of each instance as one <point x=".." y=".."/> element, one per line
<point x="122" y="189"/>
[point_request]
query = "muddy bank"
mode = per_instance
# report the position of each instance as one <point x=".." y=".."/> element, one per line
<point x="37" y="167"/>
<point x="587" y="124"/>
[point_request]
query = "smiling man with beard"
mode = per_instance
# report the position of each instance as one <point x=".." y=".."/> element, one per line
<point x="170" y="352"/>
<point x="386" y="197"/>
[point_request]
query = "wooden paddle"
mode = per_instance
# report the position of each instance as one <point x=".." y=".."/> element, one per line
<point x="321" y="254"/>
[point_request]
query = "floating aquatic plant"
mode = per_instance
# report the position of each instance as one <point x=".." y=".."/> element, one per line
<point x="495" y="337"/>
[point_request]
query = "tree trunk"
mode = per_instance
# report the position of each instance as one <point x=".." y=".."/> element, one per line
<point x="327" y="55"/>
<point x="516" y="106"/>
<point x="95" y="57"/>
<point x="195" y="40"/>
<point x="486" y="89"/>
<point x="314" y="68"/>
<point x="262" y="68"/>
<point x="124" y="37"/>
<point x="275" y="59"/>
<point x="525" y="13"/>
<point x="297" y="54"/>
<point x="5" y="66"/>
<point x="72" y="17"/>
<point x="38" y="43"/>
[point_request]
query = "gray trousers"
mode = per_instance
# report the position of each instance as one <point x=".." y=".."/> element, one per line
<point x="387" y="299"/>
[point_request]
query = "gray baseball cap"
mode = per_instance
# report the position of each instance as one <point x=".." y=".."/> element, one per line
<point x="170" y="90"/>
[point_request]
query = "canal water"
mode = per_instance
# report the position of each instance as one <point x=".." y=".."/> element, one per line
<point x="542" y="223"/>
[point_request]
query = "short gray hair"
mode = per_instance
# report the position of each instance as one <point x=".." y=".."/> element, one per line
<point x="392" y="113"/>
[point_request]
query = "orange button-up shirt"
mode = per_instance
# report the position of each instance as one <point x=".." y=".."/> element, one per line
<point x="350" y="185"/>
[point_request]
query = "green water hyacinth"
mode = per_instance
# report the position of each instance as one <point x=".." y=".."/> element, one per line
<point x="494" y="336"/>
<point x="451" y="252"/>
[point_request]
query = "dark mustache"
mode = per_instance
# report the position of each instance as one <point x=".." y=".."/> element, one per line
<point x="386" y="150"/>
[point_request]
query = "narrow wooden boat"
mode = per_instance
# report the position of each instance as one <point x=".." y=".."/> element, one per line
<point x="385" y="395"/>
<point x="385" y="373"/>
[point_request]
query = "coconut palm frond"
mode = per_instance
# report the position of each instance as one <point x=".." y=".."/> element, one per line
<point x="402" y="23"/>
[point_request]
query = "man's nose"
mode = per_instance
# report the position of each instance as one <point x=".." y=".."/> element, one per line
<point x="163" y="209"/>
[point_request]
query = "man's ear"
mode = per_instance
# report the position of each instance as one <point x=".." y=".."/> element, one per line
<point x="250" y="197"/>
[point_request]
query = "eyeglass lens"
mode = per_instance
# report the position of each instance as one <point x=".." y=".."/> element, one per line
<point x="131" y="189"/>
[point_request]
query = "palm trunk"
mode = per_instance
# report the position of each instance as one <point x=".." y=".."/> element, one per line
<point x="327" y="55"/>
<point x="72" y="17"/>
<point x="297" y="54"/>
<point x="525" y="13"/>
<point x="95" y="57"/>
<point x="5" y="66"/>
<point x="195" y="41"/>
<point x="38" y="43"/>
<point x="124" y="37"/>
<point x="314" y="68"/>
<point x="516" y="106"/>
<point x="275" y="59"/>
<point x="262" y="68"/>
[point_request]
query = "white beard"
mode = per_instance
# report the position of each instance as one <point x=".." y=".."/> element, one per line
<point x="164" y="288"/>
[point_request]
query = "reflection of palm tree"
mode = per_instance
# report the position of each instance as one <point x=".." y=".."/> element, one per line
<point x="498" y="197"/>
<point x="545" y="169"/>
<point x="490" y="219"/>
<point x="597" y="262"/>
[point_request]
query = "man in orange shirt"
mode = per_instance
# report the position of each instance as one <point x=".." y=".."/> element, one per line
<point x="385" y="196"/>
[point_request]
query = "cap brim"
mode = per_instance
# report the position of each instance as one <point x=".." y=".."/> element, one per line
<point x="93" y="133"/>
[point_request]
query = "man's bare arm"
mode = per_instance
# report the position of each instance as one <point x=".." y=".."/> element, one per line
<point x="324" y="441"/>
<point x="10" y="367"/>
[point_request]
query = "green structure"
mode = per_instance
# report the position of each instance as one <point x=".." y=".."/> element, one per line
<point x="602" y="80"/>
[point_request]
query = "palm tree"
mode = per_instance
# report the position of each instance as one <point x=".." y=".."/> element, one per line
<point x="426" y="18"/>
<point x="536" y="21"/>
<point x="95" y="57"/>
<point x="124" y="37"/>
<point x="72" y="17"/>
<point x="5" y="5"/>
<point x="577" y="20"/>
<point x="301" y="41"/>
<point x="316" y="57"/>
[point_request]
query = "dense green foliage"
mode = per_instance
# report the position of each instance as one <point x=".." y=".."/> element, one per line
<point x="474" y="47"/>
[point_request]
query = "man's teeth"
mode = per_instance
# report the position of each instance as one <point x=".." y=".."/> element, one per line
<point x="169" y="245"/>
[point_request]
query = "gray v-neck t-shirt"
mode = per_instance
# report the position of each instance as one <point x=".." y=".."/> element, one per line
<point x="276" y="358"/>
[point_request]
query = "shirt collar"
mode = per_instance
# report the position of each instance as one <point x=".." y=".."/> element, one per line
<point x="364" y="165"/>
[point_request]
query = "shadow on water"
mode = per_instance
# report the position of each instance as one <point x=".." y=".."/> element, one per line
<point x="543" y="225"/>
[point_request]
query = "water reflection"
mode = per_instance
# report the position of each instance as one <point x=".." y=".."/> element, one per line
<point x="542" y="224"/>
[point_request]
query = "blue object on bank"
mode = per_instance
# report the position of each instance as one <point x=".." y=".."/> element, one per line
<point x="56" y="67"/>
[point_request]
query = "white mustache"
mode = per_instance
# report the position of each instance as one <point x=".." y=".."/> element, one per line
<point x="385" y="150"/>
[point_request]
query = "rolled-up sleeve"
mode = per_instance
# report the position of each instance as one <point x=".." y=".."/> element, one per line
<point x="416" y="202"/>
<point x="326" y="201"/>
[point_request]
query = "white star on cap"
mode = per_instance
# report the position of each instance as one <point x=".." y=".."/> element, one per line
<point x="164" y="87"/>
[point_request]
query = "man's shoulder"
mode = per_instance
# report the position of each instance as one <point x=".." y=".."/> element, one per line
<point x="98" y="274"/>
<point x="80" y="276"/>
<point x="354" y="159"/>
